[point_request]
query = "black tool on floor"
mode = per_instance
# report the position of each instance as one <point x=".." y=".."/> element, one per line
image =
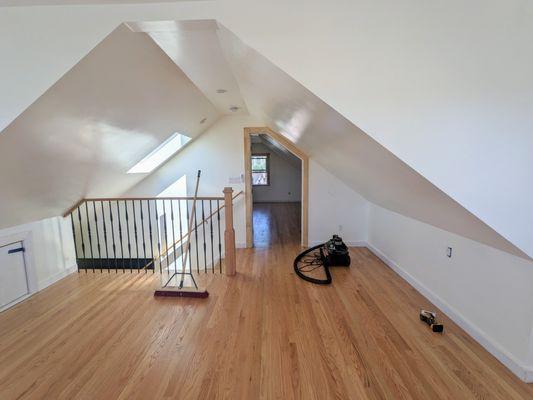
<point x="333" y="253"/>
<point x="430" y="318"/>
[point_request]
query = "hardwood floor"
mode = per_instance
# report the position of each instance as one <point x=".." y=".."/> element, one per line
<point x="276" y="223"/>
<point x="263" y="334"/>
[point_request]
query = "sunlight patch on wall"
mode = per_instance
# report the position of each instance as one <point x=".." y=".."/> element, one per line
<point x="294" y="128"/>
<point x="172" y="224"/>
<point x="162" y="153"/>
<point x="176" y="189"/>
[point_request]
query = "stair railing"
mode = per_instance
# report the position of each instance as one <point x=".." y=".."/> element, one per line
<point x="149" y="233"/>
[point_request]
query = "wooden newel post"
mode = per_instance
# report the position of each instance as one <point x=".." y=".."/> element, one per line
<point x="229" y="233"/>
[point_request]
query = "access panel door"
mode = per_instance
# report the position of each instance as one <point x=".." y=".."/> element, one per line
<point x="13" y="278"/>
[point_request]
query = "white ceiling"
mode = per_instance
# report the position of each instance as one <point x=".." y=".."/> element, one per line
<point x="81" y="137"/>
<point x="445" y="86"/>
<point x="195" y="48"/>
<point x="345" y="150"/>
<point x="268" y="92"/>
<point x="12" y="3"/>
<point x="328" y="137"/>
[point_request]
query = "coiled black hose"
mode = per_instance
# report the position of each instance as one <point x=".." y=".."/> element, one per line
<point x="310" y="265"/>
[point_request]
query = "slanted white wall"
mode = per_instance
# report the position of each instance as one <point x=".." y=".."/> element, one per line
<point x="49" y="254"/>
<point x="125" y="94"/>
<point x="285" y="179"/>
<point x="335" y="208"/>
<point x="486" y="291"/>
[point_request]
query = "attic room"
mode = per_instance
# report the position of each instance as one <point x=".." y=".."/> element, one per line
<point x="249" y="199"/>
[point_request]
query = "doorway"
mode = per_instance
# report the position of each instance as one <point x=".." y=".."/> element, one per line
<point x="276" y="178"/>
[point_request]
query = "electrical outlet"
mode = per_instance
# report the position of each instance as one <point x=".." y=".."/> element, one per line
<point x="449" y="252"/>
<point x="340" y="228"/>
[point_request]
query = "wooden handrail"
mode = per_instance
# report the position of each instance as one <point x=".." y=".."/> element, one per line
<point x="80" y="202"/>
<point x="75" y="206"/>
<point x="155" y="198"/>
<point x="177" y="242"/>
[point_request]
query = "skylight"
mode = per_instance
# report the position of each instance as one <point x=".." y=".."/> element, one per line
<point x="158" y="156"/>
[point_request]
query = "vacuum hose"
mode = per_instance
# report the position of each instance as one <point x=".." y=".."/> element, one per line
<point x="311" y="263"/>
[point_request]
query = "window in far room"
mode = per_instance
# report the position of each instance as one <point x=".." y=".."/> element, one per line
<point x="260" y="169"/>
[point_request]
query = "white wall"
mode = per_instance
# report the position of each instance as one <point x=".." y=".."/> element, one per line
<point x="486" y="291"/>
<point x="285" y="178"/>
<point x="219" y="154"/>
<point x="334" y="208"/>
<point x="49" y="254"/>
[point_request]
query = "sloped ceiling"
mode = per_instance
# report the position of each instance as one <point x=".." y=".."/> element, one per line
<point x="196" y="50"/>
<point x="345" y="150"/>
<point x="332" y="140"/>
<point x="18" y="3"/>
<point x="277" y="148"/>
<point x="445" y="86"/>
<point x="81" y="137"/>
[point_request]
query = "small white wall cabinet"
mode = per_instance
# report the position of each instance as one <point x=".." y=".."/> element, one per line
<point x="13" y="277"/>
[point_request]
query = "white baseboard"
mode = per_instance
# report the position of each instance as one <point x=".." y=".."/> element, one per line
<point x="56" y="277"/>
<point x="522" y="371"/>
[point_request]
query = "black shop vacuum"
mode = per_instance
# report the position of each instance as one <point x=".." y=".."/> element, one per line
<point x="313" y="263"/>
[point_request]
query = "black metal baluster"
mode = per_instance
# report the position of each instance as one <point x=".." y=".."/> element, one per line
<point x="128" y="233"/>
<point x="82" y="239"/>
<point x="113" y="237"/>
<point x="173" y="236"/>
<point x="196" y="240"/>
<point x="97" y="237"/>
<point x="151" y="237"/>
<point x="158" y="237"/>
<point x="74" y="238"/>
<point x="166" y="234"/>
<point x="188" y="238"/>
<point x="120" y="237"/>
<point x="89" y="231"/>
<point x="211" y="232"/>
<point x="205" y="245"/>
<point x="219" y="238"/>
<point x="142" y="229"/>
<point x="181" y="232"/>
<point x="136" y="239"/>
<point x="105" y="237"/>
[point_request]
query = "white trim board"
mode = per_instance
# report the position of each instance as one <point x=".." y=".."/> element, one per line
<point x="521" y="370"/>
<point x="56" y="277"/>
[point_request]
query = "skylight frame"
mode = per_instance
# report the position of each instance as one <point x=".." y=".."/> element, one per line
<point x="160" y="154"/>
